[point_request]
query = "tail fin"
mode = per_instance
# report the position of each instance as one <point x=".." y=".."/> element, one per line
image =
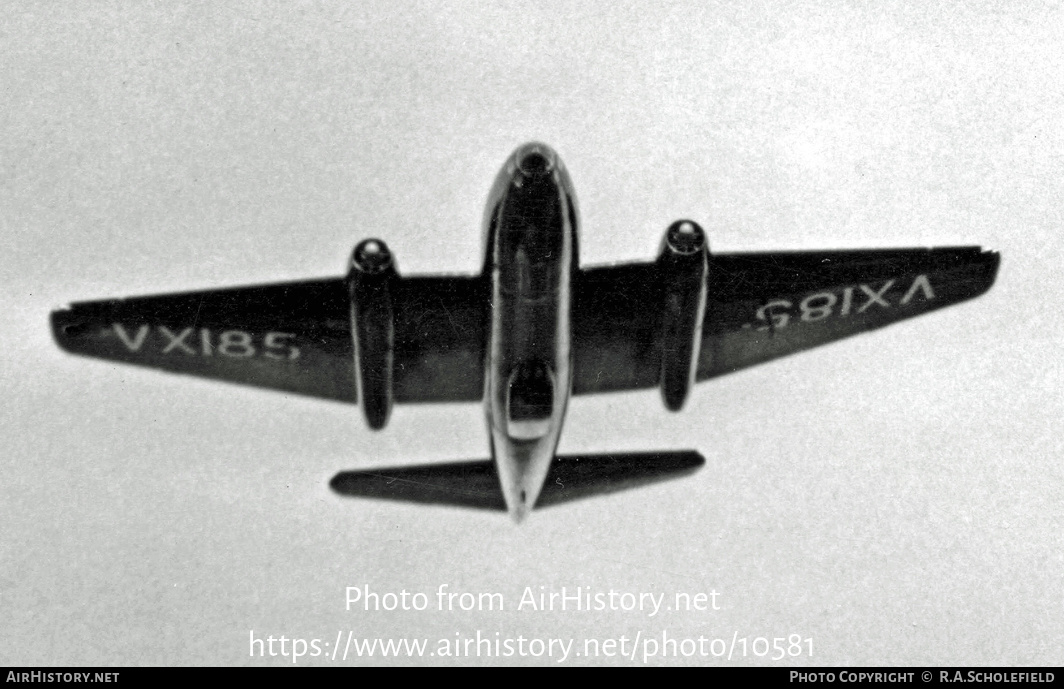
<point x="476" y="484"/>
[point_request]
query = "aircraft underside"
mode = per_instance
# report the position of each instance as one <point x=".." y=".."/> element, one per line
<point x="527" y="333"/>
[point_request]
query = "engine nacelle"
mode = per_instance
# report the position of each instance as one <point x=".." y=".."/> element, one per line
<point x="370" y="281"/>
<point x="684" y="268"/>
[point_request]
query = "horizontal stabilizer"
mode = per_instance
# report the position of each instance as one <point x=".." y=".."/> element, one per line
<point x="462" y="484"/>
<point x="573" y="477"/>
<point x="476" y="484"/>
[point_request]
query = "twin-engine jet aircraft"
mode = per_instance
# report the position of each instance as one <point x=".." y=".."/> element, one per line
<point x="532" y="329"/>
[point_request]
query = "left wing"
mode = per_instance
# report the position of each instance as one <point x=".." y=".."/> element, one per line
<point x="292" y="337"/>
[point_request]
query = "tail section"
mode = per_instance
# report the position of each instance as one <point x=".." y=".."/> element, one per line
<point x="573" y="477"/>
<point x="476" y="484"/>
<point x="460" y="484"/>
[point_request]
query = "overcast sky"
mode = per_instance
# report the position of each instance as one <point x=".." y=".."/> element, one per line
<point x="896" y="498"/>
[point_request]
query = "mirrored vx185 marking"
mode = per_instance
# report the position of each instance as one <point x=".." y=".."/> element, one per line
<point x="779" y="313"/>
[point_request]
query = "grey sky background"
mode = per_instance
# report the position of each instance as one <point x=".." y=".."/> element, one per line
<point x="894" y="497"/>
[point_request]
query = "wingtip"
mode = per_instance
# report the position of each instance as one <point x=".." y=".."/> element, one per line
<point x="65" y="327"/>
<point x="992" y="261"/>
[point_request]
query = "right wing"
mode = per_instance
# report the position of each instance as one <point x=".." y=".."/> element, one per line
<point x="761" y="306"/>
<point x="764" y="306"/>
<point x="293" y="337"/>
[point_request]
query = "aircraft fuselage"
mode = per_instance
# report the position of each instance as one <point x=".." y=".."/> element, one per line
<point x="531" y="246"/>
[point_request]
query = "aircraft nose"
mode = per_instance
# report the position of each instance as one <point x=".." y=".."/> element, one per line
<point x="535" y="160"/>
<point x="685" y="237"/>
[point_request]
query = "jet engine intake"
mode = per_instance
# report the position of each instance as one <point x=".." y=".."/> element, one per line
<point x="684" y="268"/>
<point x="370" y="281"/>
